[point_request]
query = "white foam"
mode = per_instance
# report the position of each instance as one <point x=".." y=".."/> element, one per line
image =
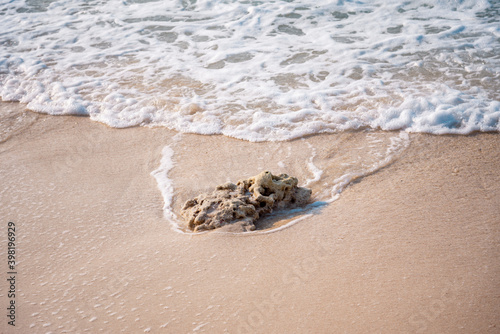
<point x="316" y="172"/>
<point x="269" y="70"/>
<point x="165" y="184"/>
<point x="398" y="144"/>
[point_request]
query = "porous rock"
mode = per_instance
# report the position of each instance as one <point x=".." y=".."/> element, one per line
<point x="244" y="202"/>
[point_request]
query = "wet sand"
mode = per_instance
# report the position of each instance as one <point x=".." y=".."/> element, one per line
<point x="413" y="247"/>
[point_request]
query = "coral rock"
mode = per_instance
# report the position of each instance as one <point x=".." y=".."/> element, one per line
<point x="244" y="202"/>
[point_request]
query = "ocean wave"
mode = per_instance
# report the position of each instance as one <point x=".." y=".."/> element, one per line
<point x="259" y="71"/>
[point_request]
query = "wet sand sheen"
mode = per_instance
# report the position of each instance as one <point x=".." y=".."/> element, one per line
<point x="410" y="248"/>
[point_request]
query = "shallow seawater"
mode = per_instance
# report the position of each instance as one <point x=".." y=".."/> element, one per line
<point x="13" y="121"/>
<point x="276" y="74"/>
<point x="326" y="164"/>
<point x="257" y="70"/>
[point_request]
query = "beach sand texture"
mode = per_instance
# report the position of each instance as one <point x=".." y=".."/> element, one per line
<point x="411" y="248"/>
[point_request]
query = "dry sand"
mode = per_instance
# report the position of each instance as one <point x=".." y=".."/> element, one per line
<point x="413" y="247"/>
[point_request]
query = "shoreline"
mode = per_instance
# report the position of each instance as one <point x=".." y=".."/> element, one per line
<point x="413" y="247"/>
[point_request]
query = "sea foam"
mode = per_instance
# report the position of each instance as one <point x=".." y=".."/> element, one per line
<point x="272" y="70"/>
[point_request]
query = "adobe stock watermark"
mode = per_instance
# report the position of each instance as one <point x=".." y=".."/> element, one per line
<point x="293" y="277"/>
<point x="110" y="290"/>
<point x="75" y="155"/>
<point x="306" y="270"/>
<point x="422" y="321"/>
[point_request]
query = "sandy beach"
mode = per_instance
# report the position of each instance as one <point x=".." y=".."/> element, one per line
<point x="412" y="247"/>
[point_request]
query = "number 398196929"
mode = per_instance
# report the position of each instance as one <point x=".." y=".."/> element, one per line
<point x="11" y="246"/>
